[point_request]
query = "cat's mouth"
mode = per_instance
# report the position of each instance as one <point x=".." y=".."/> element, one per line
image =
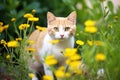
<point x="61" y="39"/>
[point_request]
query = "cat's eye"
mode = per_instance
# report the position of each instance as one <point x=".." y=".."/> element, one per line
<point x="67" y="28"/>
<point x="56" y="28"/>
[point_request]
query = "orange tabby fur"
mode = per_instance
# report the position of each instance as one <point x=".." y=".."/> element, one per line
<point x="66" y="25"/>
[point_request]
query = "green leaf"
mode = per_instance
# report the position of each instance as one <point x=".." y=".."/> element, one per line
<point x="110" y="5"/>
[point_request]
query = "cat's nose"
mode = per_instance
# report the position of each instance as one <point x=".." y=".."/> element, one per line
<point x="62" y="35"/>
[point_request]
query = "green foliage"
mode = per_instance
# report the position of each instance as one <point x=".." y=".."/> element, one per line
<point x="107" y="23"/>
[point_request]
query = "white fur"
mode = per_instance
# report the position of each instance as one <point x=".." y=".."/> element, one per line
<point x="55" y="49"/>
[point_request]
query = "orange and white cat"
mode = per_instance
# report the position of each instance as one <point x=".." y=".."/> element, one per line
<point x="60" y="28"/>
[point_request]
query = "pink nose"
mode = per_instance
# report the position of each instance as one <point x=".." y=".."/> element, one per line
<point x="62" y="35"/>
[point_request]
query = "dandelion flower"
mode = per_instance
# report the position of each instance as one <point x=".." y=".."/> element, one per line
<point x="75" y="57"/>
<point x="23" y="26"/>
<point x="31" y="42"/>
<point x="46" y="77"/>
<point x="13" y="19"/>
<point x="79" y="72"/>
<point x="74" y="65"/>
<point x="54" y="41"/>
<point x="1" y="23"/>
<point x="90" y="26"/>
<point x="1" y="29"/>
<point x="90" y="23"/>
<point x="90" y="43"/>
<point x="50" y="60"/>
<point x="6" y="26"/>
<point x="12" y="44"/>
<point x="3" y="42"/>
<point x="31" y="75"/>
<point x="91" y="29"/>
<point x="100" y="57"/>
<point x="40" y="28"/>
<point x="70" y="52"/>
<point x="67" y="74"/>
<point x="59" y="73"/>
<point x="80" y="42"/>
<point x="28" y="15"/>
<point x="116" y="17"/>
<point x="8" y="56"/>
<point x="18" y="39"/>
<point x="33" y="11"/>
<point x="31" y="49"/>
<point x="33" y="19"/>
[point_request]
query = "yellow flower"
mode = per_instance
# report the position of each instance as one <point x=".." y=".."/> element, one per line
<point x="31" y="75"/>
<point x="116" y="17"/>
<point x="62" y="68"/>
<point x="54" y="41"/>
<point x="59" y="73"/>
<point x="100" y="57"/>
<point x="2" y="41"/>
<point x="1" y="23"/>
<point x="40" y="28"/>
<point x="91" y="29"/>
<point x="8" y="56"/>
<point x="90" y="43"/>
<point x="50" y="60"/>
<point x="1" y="29"/>
<point x="90" y="23"/>
<point x="33" y="19"/>
<point x="68" y="61"/>
<point x="90" y="26"/>
<point x="97" y="43"/>
<point x="23" y="26"/>
<point x="74" y="65"/>
<point x="33" y="11"/>
<point x="31" y="49"/>
<point x="46" y="77"/>
<point x="80" y="42"/>
<point x="67" y="74"/>
<point x="31" y="42"/>
<point x="28" y="15"/>
<point x="13" y="19"/>
<point x="79" y="72"/>
<point x="6" y="26"/>
<point x="75" y="57"/>
<point x="18" y="39"/>
<point x="12" y="44"/>
<point x="70" y="52"/>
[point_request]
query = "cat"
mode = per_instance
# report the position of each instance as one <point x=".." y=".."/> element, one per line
<point x="60" y="28"/>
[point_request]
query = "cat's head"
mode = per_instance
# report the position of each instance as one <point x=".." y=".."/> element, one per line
<point x="61" y="27"/>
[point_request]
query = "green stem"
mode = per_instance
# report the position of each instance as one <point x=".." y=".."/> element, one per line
<point x="7" y="49"/>
<point x="107" y="73"/>
<point x="16" y="31"/>
<point x="31" y="27"/>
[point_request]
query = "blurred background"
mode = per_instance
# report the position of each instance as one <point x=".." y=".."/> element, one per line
<point x="86" y="9"/>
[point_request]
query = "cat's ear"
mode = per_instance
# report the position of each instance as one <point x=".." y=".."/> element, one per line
<point x="50" y="17"/>
<point x="72" y="17"/>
